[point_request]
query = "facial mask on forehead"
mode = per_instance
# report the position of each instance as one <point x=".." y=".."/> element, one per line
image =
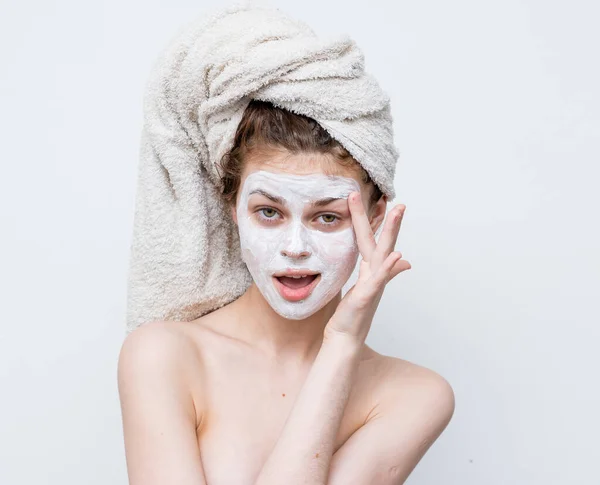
<point x="294" y="235"/>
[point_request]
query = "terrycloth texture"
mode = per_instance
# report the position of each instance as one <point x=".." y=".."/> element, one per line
<point x="185" y="256"/>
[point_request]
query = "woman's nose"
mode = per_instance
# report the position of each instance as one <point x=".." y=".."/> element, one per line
<point x="295" y="244"/>
<point x="295" y="254"/>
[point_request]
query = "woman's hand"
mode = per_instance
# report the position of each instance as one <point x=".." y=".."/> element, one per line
<point x="380" y="263"/>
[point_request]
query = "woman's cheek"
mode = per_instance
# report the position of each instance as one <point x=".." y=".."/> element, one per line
<point x="259" y="244"/>
<point x="337" y="248"/>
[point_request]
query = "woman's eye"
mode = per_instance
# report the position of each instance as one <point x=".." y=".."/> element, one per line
<point x="329" y="218"/>
<point x="267" y="214"/>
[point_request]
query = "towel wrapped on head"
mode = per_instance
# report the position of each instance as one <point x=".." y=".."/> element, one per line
<point x="185" y="256"/>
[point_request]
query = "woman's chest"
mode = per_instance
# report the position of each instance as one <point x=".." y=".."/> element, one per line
<point x="244" y="414"/>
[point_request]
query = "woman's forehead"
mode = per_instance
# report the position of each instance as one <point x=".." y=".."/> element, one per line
<point x="306" y="186"/>
<point x="304" y="163"/>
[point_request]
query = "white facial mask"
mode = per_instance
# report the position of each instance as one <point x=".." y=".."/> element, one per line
<point x="295" y="235"/>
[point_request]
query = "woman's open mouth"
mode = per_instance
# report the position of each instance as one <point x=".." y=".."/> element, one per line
<point x="296" y="288"/>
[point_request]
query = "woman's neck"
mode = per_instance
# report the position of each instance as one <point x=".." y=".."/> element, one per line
<point x="257" y="323"/>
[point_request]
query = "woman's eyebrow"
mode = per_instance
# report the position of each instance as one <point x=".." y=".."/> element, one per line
<point x="326" y="201"/>
<point x="279" y="200"/>
<point x="274" y="198"/>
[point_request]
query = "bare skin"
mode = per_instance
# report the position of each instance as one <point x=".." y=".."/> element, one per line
<point x="244" y="396"/>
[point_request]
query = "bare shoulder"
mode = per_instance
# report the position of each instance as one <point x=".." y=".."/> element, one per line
<point x="167" y="344"/>
<point x="161" y="352"/>
<point x="415" y="392"/>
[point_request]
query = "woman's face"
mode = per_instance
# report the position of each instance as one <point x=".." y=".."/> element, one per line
<point x="296" y="233"/>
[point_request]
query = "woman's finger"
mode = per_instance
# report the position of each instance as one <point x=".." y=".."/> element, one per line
<point x="362" y="228"/>
<point x="399" y="266"/>
<point x="389" y="235"/>
<point x="382" y="275"/>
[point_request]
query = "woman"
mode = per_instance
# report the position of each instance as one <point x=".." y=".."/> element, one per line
<point x="244" y="395"/>
<point x="278" y="385"/>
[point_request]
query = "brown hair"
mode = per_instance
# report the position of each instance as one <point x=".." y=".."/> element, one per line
<point x="265" y="127"/>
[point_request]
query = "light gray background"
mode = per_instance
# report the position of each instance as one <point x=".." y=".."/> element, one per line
<point x="497" y="118"/>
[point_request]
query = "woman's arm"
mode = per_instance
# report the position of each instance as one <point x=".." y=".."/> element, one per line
<point x="303" y="453"/>
<point x="158" y="412"/>
<point x="412" y="412"/>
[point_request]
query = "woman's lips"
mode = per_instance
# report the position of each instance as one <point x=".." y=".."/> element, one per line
<point x="296" y="289"/>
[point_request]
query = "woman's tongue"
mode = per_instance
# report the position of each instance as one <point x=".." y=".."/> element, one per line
<point x="296" y="282"/>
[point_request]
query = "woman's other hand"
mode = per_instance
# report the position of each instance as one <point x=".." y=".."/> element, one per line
<point x="379" y="264"/>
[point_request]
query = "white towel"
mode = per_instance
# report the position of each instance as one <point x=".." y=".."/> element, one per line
<point x="185" y="257"/>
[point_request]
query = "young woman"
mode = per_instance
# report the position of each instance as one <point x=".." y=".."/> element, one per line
<point x="279" y="387"/>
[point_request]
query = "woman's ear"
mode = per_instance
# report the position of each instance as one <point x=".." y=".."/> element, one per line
<point x="233" y="213"/>
<point x="377" y="213"/>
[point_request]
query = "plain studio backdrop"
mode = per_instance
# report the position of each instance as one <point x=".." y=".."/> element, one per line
<point x="496" y="111"/>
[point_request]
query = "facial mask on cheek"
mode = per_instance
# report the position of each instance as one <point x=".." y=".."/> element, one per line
<point x="289" y="243"/>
